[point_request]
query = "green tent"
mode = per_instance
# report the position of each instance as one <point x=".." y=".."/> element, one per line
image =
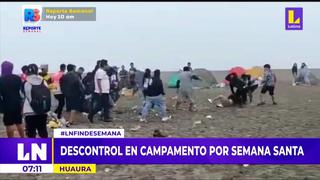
<point x="172" y="82"/>
<point x="208" y="80"/>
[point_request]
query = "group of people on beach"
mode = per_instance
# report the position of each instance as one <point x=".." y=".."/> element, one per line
<point x="30" y="95"/>
<point x="301" y="76"/>
<point x="245" y="86"/>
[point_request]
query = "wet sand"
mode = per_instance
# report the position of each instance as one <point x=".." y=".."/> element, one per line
<point x="296" y="115"/>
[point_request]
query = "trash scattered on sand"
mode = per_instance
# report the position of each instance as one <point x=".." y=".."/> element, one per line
<point x="209" y="117"/>
<point x="219" y="106"/>
<point x="210" y="101"/>
<point x="196" y="123"/>
<point x="157" y="133"/>
<point x="174" y="97"/>
<point x="136" y="128"/>
<point x="221" y="85"/>
<point x="245" y="165"/>
<point x="107" y="170"/>
<point x="134" y="107"/>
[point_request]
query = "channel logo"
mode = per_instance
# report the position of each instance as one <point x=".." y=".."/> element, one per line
<point x="294" y="18"/>
<point x="31" y="16"/>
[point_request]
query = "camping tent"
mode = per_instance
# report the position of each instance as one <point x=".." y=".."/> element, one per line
<point x="207" y="79"/>
<point x="172" y="82"/>
<point x="238" y="70"/>
<point x="312" y="78"/>
<point x="139" y="77"/>
<point x="255" y="72"/>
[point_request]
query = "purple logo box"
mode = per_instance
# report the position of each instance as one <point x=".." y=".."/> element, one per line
<point x="25" y="151"/>
<point x="294" y="18"/>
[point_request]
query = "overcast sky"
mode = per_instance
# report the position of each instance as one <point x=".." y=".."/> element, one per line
<point x="214" y="35"/>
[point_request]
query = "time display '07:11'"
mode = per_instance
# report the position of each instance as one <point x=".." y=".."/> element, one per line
<point x="32" y="168"/>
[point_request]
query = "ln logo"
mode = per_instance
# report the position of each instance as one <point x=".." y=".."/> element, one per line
<point x="35" y="152"/>
<point x="294" y="19"/>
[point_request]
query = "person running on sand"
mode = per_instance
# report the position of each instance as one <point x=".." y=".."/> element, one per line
<point x="155" y="96"/>
<point x="184" y="85"/>
<point x="10" y="100"/>
<point x="269" y="82"/>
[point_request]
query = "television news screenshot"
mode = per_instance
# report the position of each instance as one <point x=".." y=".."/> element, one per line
<point x="159" y="90"/>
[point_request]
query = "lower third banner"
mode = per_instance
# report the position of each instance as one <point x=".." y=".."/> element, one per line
<point x="159" y="151"/>
<point x="188" y="151"/>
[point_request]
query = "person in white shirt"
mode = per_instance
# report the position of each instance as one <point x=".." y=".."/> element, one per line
<point x="101" y="93"/>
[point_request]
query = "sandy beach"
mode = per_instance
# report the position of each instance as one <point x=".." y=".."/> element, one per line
<point x="296" y="115"/>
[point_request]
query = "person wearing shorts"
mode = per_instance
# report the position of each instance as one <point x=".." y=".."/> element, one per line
<point x="73" y="103"/>
<point x="73" y="90"/>
<point x="268" y="82"/>
<point x="10" y="100"/>
<point x="251" y="85"/>
<point x="269" y="89"/>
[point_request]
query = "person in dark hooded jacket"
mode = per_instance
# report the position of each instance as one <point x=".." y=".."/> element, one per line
<point x="155" y="96"/>
<point x="236" y="82"/>
<point x="10" y="100"/>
